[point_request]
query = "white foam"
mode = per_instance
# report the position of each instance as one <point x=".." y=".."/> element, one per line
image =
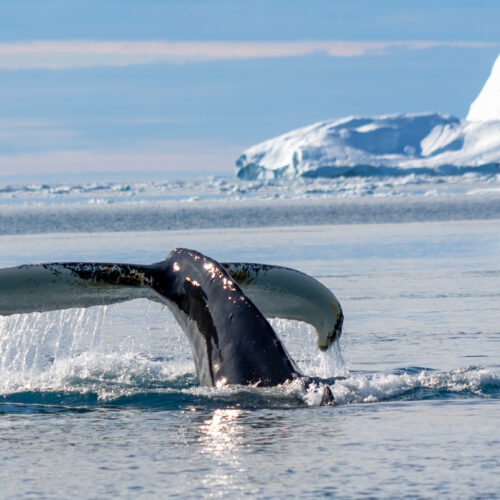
<point x="64" y="351"/>
<point x="379" y="387"/>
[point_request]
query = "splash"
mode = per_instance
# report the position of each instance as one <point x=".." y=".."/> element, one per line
<point x="30" y="344"/>
<point x="64" y="359"/>
<point x="300" y="341"/>
<point x="466" y="382"/>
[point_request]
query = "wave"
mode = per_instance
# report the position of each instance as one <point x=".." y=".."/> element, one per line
<point x="463" y="382"/>
<point x="86" y="359"/>
<point x="90" y="381"/>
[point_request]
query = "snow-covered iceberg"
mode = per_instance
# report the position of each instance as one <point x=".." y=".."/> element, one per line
<point x="400" y="144"/>
<point x="486" y="106"/>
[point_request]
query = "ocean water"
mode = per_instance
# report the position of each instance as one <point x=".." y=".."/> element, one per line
<point x="104" y="402"/>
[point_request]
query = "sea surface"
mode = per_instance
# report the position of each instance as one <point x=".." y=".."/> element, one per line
<point x="104" y="402"/>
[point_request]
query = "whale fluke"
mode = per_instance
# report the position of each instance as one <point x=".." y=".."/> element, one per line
<point x="231" y="340"/>
<point x="281" y="292"/>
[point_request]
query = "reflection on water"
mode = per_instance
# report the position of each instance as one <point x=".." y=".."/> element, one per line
<point x="221" y="437"/>
<point x="223" y="433"/>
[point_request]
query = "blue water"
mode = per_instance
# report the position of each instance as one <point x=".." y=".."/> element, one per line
<point x="104" y="402"/>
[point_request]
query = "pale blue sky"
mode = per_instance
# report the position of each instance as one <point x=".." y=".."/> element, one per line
<point x="165" y="86"/>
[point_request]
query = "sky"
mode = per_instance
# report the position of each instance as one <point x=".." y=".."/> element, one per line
<point x="177" y="88"/>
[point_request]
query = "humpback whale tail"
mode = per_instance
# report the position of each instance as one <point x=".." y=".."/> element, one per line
<point x="231" y="340"/>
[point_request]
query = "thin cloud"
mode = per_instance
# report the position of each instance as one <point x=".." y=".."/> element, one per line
<point x="15" y="133"/>
<point x="153" y="156"/>
<point x="68" y="54"/>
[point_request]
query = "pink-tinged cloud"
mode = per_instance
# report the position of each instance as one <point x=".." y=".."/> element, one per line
<point x="80" y="53"/>
<point x="161" y="156"/>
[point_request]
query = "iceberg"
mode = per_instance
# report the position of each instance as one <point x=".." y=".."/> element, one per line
<point x="400" y="144"/>
<point x="486" y="106"/>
